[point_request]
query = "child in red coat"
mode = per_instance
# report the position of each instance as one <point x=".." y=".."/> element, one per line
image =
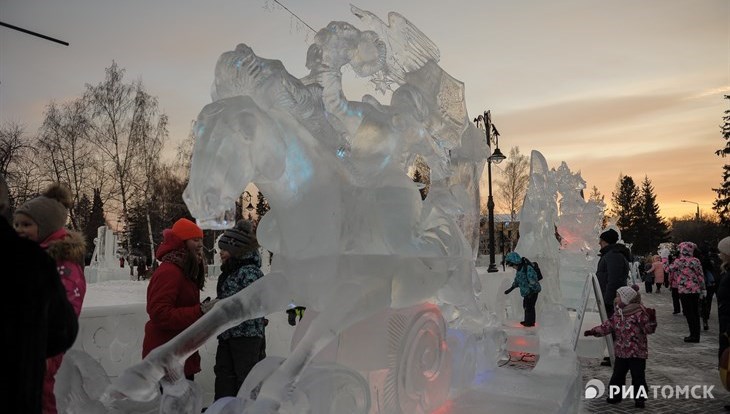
<point x="630" y="324"/>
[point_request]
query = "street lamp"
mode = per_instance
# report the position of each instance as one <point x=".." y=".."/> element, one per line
<point x="246" y="197"/>
<point x="496" y="157"/>
<point x="697" y="217"/>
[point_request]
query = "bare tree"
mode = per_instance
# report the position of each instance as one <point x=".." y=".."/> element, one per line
<point x="17" y="163"/>
<point x="65" y="153"/>
<point x="151" y="134"/>
<point x="121" y="116"/>
<point x="514" y="181"/>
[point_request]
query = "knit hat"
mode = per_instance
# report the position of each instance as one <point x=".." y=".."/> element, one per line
<point x="186" y="230"/>
<point x="627" y="294"/>
<point x="49" y="210"/>
<point x="610" y="236"/>
<point x="238" y="240"/>
<point x="724" y="246"/>
<point x="513" y="258"/>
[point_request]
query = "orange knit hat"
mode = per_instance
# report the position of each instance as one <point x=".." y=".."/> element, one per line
<point x="186" y="229"/>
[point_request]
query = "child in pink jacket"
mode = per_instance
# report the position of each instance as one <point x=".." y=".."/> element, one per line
<point x="630" y="324"/>
<point x="42" y="220"/>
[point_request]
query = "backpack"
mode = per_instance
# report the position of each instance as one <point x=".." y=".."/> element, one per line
<point x="535" y="267"/>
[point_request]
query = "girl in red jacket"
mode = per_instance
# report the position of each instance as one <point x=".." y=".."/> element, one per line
<point x="173" y="295"/>
<point x="42" y="219"/>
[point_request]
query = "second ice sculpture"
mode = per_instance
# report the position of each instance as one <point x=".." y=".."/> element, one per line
<point x="351" y="237"/>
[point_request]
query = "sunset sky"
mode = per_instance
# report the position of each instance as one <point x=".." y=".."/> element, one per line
<point x="611" y="87"/>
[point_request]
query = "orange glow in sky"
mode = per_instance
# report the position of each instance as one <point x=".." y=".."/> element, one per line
<point x="619" y="87"/>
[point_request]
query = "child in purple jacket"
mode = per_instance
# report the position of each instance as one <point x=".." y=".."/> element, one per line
<point x="630" y="324"/>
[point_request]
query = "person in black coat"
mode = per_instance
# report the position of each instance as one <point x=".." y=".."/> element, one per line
<point x="40" y="321"/>
<point x="723" y="295"/>
<point x="613" y="267"/>
<point x="723" y="299"/>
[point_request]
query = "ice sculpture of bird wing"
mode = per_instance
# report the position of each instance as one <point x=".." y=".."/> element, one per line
<point x="407" y="47"/>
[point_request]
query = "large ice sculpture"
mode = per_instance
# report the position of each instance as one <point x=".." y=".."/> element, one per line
<point x="351" y="237"/>
<point x="579" y="225"/>
<point x="538" y="217"/>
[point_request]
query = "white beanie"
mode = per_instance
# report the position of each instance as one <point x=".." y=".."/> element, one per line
<point x="724" y="246"/>
<point x="627" y="294"/>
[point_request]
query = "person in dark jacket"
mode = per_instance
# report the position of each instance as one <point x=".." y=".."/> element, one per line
<point x="243" y="346"/>
<point x="173" y="295"/>
<point x="613" y="267"/>
<point x="43" y="322"/>
<point x="723" y="295"/>
<point x="526" y="280"/>
<point x="723" y="299"/>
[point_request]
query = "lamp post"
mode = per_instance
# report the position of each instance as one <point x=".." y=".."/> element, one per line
<point x="496" y="157"/>
<point x="246" y="198"/>
<point x="697" y="217"/>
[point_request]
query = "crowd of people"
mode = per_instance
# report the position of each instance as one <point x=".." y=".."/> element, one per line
<point x="49" y="297"/>
<point x="693" y="276"/>
<point x="51" y="294"/>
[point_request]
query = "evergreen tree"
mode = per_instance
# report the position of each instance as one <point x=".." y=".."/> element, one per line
<point x="96" y="219"/>
<point x="651" y="229"/>
<point x="722" y="204"/>
<point x="262" y="206"/>
<point x="418" y="178"/>
<point x="82" y="211"/>
<point x="626" y="204"/>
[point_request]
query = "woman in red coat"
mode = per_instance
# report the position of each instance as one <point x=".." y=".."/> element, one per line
<point x="173" y="295"/>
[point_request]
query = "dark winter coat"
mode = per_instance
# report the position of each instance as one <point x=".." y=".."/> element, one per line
<point x="237" y="274"/>
<point x="612" y="271"/>
<point x="173" y="300"/>
<point x="40" y="319"/>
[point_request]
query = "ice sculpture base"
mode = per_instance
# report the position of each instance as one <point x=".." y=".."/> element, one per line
<point x="101" y="274"/>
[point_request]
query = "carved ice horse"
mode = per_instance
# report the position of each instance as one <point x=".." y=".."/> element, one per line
<point x="327" y="236"/>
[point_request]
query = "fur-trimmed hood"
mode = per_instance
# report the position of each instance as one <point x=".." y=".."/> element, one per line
<point x="66" y="245"/>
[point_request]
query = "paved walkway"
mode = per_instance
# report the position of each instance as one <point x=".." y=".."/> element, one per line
<point x="671" y="362"/>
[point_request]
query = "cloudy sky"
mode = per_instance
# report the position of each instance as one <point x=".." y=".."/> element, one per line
<point x="611" y="87"/>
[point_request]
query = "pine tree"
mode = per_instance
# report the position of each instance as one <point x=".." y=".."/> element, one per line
<point x="262" y="206"/>
<point x="418" y="178"/>
<point x="626" y="204"/>
<point x="96" y="219"/>
<point x="651" y="229"/>
<point x="82" y="211"/>
<point x="722" y="204"/>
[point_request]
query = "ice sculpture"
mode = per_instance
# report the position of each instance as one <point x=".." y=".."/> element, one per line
<point x="579" y="225"/>
<point x="538" y="217"/>
<point x="104" y="261"/>
<point x="351" y="237"/>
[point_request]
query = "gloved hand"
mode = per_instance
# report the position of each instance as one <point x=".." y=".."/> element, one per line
<point x="508" y="291"/>
<point x="207" y="305"/>
<point x="293" y="313"/>
<point x="589" y="333"/>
